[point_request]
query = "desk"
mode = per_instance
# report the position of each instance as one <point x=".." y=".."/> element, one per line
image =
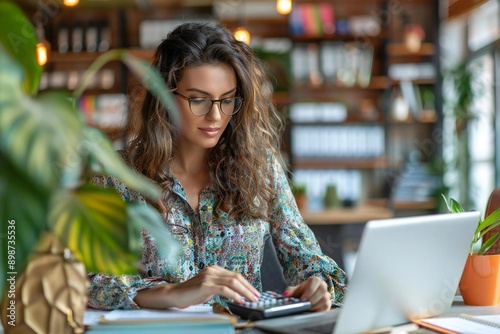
<point x="457" y="308"/>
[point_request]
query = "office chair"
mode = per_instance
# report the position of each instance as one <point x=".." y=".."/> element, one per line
<point x="271" y="271"/>
<point x="493" y="204"/>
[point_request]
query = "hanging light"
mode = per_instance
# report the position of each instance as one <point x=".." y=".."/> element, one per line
<point x="284" y="7"/>
<point x="42" y="47"/>
<point x="42" y="55"/>
<point x="242" y="34"/>
<point x="71" y="3"/>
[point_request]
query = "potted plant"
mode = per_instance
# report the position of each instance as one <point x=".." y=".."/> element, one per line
<point x="480" y="281"/>
<point x="47" y="200"/>
<point x="299" y="191"/>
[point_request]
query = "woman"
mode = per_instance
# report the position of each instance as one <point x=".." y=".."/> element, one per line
<point x="224" y="190"/>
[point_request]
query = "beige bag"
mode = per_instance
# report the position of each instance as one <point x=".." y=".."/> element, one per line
<point x="50" y="295"/>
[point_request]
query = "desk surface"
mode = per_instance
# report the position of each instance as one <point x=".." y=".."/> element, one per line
<point x="356" y="215"/>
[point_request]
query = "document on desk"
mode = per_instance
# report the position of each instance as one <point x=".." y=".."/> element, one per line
<point x="464" y="323"/>
<point x="194" y="319"/>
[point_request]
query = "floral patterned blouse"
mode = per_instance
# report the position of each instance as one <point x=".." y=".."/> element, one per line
<point x="235" y="245"/>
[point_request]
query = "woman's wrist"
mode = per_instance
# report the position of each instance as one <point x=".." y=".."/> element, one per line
<point x="155" y="297"/>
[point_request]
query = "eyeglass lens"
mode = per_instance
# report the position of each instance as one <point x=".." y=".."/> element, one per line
<point x="202" y="106"/>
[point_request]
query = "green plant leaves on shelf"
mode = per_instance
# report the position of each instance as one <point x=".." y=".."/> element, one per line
<point x="19" y="40"/>
<point x="92" y="222"/>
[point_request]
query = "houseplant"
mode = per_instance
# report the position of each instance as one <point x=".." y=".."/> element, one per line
<point x="48" y="157"/>
<point x="480" y="281"/>
<point x="299" y="191"/>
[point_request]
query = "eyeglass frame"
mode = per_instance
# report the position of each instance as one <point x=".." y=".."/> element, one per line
<point x="213" y="101"/>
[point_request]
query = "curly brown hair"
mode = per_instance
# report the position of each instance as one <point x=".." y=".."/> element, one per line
<point x="239" y="164"/>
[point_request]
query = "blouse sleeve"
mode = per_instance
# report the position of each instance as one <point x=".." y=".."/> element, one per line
<point x="296" y="245"/>
<point x="114" y="292"/>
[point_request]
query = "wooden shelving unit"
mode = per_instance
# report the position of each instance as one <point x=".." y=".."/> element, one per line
<point x="388" y="48"/>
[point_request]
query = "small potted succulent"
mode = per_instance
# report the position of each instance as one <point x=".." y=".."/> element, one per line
<point x="300" y="193"/>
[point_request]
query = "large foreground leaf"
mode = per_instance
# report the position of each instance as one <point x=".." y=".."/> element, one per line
<point x="109" y="162"/>
<point x="92" y="222"/>
<point x="19" y="39"/>
<point x="144" y="217"/>
<point x="23" y="207"/>
<point x="146" y="74"/>
<point x="37" y="135"/>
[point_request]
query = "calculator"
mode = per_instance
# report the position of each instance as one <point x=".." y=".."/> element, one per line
<point x="270" y="305"/>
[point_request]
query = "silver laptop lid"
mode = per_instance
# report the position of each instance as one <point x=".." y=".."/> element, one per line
<point x="406" y="268"/>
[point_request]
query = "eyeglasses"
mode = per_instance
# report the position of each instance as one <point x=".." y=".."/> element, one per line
<point x="201" y="106"/>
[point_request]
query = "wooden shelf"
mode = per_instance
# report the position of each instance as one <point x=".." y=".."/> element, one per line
<point x="345" y="163"/>
<point x="338" y="37"/>
<point x="428" y="117"/>
<point x="72" y="57"/>
<point x="414" y="205"/>
<point x="376" y="83"/>
<point x="400" y="49"/>
<point x="423" y="81"/>
<point x="144" y="54"/>
<point x="356" y="215"/>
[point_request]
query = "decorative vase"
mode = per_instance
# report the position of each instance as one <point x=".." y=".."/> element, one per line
<point x="50" y="296"/>
<point x="480" y="282"/>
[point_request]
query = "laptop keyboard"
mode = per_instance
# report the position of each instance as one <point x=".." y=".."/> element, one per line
<point x="321" y="328"/>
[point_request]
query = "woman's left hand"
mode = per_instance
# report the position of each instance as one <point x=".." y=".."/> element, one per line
<point x="314" y="290"/>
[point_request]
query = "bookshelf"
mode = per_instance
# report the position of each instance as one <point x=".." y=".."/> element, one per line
<point x="335" y="86"/>
<point x="361" y="68"/>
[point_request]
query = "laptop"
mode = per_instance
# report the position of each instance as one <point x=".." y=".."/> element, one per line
<point x="406" y="268"/>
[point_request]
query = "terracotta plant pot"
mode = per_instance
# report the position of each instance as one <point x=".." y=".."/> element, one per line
<point x="301" y="200"/>
<point x="480" y="282"/>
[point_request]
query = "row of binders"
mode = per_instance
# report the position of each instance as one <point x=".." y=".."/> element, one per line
<point x="346" y="64"/>
<point x="338" y="141"/>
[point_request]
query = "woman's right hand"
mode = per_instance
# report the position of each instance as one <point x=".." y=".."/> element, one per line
<point x="211" y="281"/>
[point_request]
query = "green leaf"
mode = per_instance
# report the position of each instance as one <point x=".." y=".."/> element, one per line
<point x="147" y="75"/>
<point x="144" y="217"/>
<point x="19" y="39"/>
<point x="109" y="162"/>
<point x="486" y="245"/>
<point x="489" y="223"/>
<point x="153" y="81"/>
<point x="455" y="206"/>
<point x="92" y="222"/>
<point x="24" y="206"/>
<point x="38" y="135"/>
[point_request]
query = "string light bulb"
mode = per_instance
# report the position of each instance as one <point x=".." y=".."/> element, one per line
<point x="71" y="3"/>
<point x="284" y="7"/>
<point x="243" y="35"/>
